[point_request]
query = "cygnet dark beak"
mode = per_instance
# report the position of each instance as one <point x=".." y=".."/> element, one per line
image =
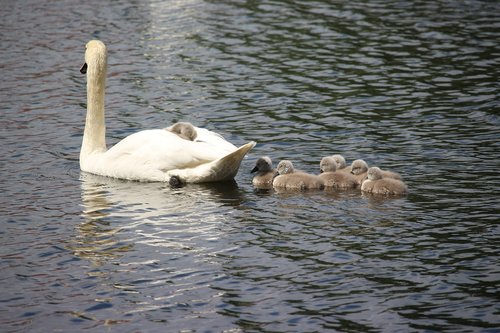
<point x="255" y="169"/>
<point x="83" y="70"/>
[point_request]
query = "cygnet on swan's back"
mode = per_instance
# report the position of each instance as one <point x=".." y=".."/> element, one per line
<point x="377" y="184"/>
<point x="183" y="130"/>
<point x="359" y="169"/>
<point x="264" y="173"/>
<point x="341" y="163"/>
<point x="334" y="178"/>
<point x="289" y="179"/>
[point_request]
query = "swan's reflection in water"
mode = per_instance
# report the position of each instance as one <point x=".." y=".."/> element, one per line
<point x="152" y="247"/>
<point x="119" y="215"/>
<point x="95" y="240"/>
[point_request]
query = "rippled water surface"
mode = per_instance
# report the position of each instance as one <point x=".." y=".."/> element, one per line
<point x="409" y="86"/>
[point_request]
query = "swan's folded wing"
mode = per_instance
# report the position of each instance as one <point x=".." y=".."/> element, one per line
<point x="163" y="150"/>
<point x="213" y="139"/>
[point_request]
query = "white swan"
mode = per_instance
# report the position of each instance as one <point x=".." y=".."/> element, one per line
<point x="150" y="155"/>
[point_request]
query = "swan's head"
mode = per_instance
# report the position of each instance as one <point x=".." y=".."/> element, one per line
<point x="374" y="173"/>
<point x="285" y="167"/>
<point x="327" y="164"/>
<point x="95" y="58"/>
<point x="358" y="167"/>
<point x="340" y="160"/>
<point x="263" y="164"/>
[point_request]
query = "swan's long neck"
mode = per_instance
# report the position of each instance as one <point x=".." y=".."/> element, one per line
<point x="94" y="135"/>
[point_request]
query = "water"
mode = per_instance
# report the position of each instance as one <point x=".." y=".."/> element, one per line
<point x="409" y="86"/>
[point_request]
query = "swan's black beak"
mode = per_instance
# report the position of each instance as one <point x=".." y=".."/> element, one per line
<point x="255" y="169"/>
<point x="83" y="70"/>
<point x="320" y="170"/>
<point x="276" y="174"/>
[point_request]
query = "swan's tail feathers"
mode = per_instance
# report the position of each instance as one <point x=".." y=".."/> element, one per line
<point x="227" y="167"/>
<point x="222" y="169"/>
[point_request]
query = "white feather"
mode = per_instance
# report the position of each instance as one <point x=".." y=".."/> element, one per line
<point x="150" y="155"/>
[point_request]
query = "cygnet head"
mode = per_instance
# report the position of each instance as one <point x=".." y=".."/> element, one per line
<point x="327" y="164"/>
<point x="95" y="58"/>
<point x="374" y="173"/>
<point x="340" y="160"/>
<point x="358" y="167"/>
<point x="263" y="164"/>
<point x="184" y="130"/>
<point x="285" y="167"/>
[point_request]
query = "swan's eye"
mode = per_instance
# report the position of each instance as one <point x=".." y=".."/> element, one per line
<point x="83" y="70"/>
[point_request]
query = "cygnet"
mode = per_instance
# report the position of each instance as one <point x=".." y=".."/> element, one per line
<point x="334" y="178"/>
<point x="183" y="130"/>
<point x="359" y="169"/>
<point x="289" y="179"/>
<point x="391" y="174"/>
<point x="341" y="163"/>
<point x="264" y="173"/>
<point x="377" y="184"/>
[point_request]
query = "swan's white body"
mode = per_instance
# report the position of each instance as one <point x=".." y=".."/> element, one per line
<point x="150" y="155"/>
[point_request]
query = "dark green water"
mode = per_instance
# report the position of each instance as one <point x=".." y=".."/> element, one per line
<point x="409" y="86"/>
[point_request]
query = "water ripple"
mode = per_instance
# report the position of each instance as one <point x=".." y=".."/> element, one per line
<point x="408" y="86"/>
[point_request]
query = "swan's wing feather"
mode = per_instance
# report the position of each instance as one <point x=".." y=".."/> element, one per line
<point x="163" y="150"/>
<point x="213" y="139"/>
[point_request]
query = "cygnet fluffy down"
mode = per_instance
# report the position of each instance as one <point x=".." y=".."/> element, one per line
<point x="359" y="169"/>
<point x="289" y="179"/>
<point x="377" y="184"/>
<point x="183" y="130"/>
<point x="264" y="173"/>
<point x="334" y="178"/>
<point x="341" y="163"/>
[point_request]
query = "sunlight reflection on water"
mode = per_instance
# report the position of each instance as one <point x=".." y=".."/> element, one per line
<point x="410" y="87"/>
